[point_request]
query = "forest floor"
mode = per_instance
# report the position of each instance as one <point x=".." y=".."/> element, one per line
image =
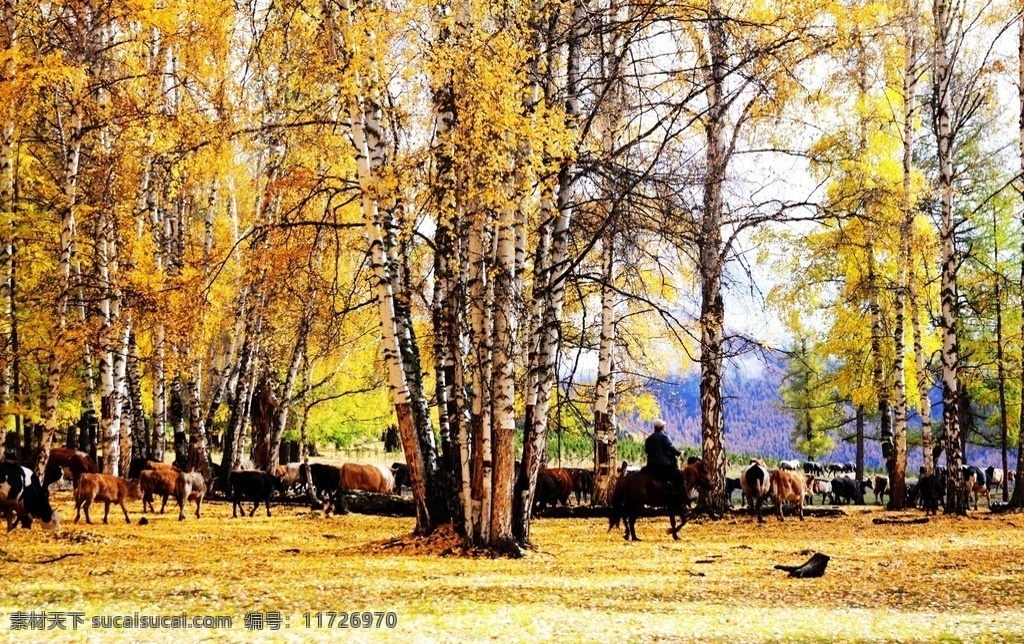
<point x="951" y="578"/>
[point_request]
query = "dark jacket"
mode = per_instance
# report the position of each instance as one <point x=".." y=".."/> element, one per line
<point x="660" y="451"/>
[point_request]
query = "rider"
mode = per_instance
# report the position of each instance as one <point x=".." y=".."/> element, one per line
<point x="661" y="456"/>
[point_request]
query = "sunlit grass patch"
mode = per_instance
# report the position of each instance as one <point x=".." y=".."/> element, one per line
<point x="950" y="578"/>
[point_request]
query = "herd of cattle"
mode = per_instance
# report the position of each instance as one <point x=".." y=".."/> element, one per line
<point x="789" y="484"/>
<point x="24" y="498"/>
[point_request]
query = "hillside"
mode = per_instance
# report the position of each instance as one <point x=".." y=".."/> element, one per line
<point x="754" y="423"/>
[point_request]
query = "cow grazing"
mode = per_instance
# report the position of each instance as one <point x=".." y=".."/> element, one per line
<point x="67" y="462"/>
<point x="25" y="498"/>
<point x="190" y="486"/>
<point x="880" y="486"/>
<point x="106" y="488"/>
<point x="160" y="482"/>
<point x="754" y="480"/>
<point x="788" y="486"/>
<point x="994" y="477"/>
<point x="974" y="482"/>
<point x="789" y="465"/>
<point x="290" y="474"/>
<point x="11" y="511"/>
<point x="370" y="478"/>
<point x="252" y="485"/>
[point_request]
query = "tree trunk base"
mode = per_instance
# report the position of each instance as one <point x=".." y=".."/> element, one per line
<point x="505" y="548"/>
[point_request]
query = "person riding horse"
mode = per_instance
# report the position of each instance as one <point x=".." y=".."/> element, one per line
<point x="662" y="463"/>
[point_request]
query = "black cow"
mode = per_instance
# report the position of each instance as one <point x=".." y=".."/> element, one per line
<point x="254" y="486"/>
<point x="912" y="496"/>
<point x="20" y="485"/>
<point x="980" y="484"/>
<point x="136" y="466"/>
<point x="844" y="490"/>
<point x="754" y="482"/>
<point x="731" y="485"/>
<point x="980" y="478"/>
<point x="326" y="482"/>
<point x="929" y="490"/>
<point x="401" y="474"/>
<point x="814" y="467"/>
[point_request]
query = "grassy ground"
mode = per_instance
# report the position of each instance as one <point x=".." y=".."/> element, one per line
<point x="950" y="578"/>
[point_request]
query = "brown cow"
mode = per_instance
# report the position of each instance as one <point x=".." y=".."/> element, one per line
<point x="371" y="478"/>
<point x="10" y="510"/>
<point x="564" y="483"/>
<point x="161" y="482"/>
<point x="787" y="485"/>
<point x="62" y="460"/>
<point x="106" y="488"/>
<point x="190" y="486"/>
<point x="290" y="474"/>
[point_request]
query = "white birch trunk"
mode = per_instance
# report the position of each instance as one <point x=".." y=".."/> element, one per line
<point x="956" y="497"/>
<point x="534" y="448"/>
<point x="67" y="233"/>
<point x="1018" y="491"/>
<point x="364" y="130"/>
<point x="924" y="380"/>
<point x="605" y="438"/>
<point x="480" y="341"/>
<point x="159" y="394"/>
<point x="897" y="479"/>
<point x="140" y="444"/>
<point x="298" y="356"/>
<point x="107" y="343"/>
<point x="506" y="303"/>
<point x="197" y="452"/>
<point x="120" y="429"/>
<point x="9" y="41"/>
<point x="604" y="428"/>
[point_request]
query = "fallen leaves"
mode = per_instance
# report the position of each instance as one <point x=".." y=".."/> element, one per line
<point x="582" y="582"/>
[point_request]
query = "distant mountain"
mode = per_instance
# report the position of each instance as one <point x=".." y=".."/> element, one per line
<point x="755" y="423"/>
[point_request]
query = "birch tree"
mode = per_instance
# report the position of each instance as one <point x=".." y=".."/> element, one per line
<point x="944" y="21"/>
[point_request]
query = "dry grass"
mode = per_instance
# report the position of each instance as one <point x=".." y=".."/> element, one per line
<point x="950" y="578"/>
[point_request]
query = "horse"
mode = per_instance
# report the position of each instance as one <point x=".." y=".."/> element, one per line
<point x="635" y="490"/>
